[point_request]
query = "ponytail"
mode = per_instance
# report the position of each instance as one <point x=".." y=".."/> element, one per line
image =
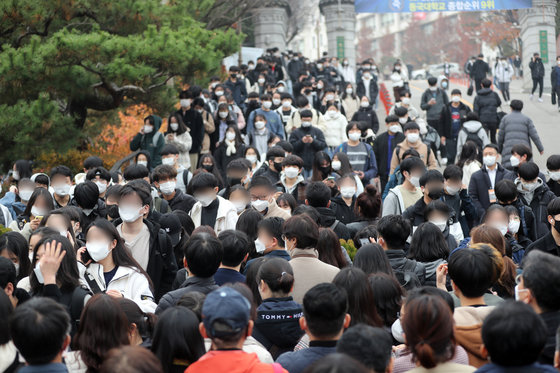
<point x="278" y="275"/>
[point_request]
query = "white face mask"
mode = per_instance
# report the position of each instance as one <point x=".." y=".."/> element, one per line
<point x="98" y="250"/>
<point x="62" y="189"/>
<point x="514" y="161"/>
<point x="101" y="186"/>
<point x="175" y="126"/>
<point x="261" y="81"/>
<point x="329" y="97"/>
<point x="169" y="161"/>
<point x="415" y="180"/>
<point x="455" y="99"/>
<point x="354" y="136"/>
<point x="405" y="100"/>
<point x="451" y="190"/>
<point x="148" y="128"/>
<point x="38" y="273"/>
<point x="37" y="211"/>
<point x="267" y="104"/>
<point x="397" y="331"/>
<point x="251" y="158"/>
<point x="503" y="228"/>
<point x="219" y="93"/>
<point x="185" y="102"/>
<point x="230" y="136"/>
<point x="403" y="120"/>
<point x="259" y="205"/>
<point x="306" y="124"/>
<point x="276" y="101"/>
<point x="518" y="292"/>
<point x="286" y="104"/>
<point x="367" y="76"/>
<point x="513" y="226"/>
<point x="259" y="124"/>
<point x="142" y="163"/>
<point x="25" y="194"/>
<point x="239" y="206"/>
<point x="205" y="200"/>
<point x="223" y="114"/>
<point x="168" y="187"/>
<point x="395" y="128"/>
<point x="530" y="187"/>
<point x="441" y="224"/>
<point x="291" y="172"/>
<point x="15" y="175"/>
<point x="281" y="89"/>
<point x="259" y="246"/>
<point x="413" y="137"/>
<point x="336" y="165"/>
<point x="347" y="191"/>
<point x="349" y="91"/>
<point x="332" y="114"/>
<point x="489" y="160"/>
<point x="319" y="86"/>
<point x="554" y="175"/>
<point x="129" y="214"/>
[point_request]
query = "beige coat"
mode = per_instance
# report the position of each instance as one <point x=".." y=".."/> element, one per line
<point x="309" y="271"/>
<point x="429" y="160"/>
<point x="209" y="129"/>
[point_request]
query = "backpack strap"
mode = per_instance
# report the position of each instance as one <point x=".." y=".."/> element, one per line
<point x="77" y="303"/>
<point x="334" y="225"/>
<point x="398" y="152"/>
<point x="156" y="138"/>
<point x="93" y="285"/>
<point x="523" y="222"/>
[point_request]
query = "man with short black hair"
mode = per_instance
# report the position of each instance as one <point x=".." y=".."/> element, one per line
<point x="539" y="287"/>
<point x="507" y="194"/>
<point x="360" y="154"/>
<point x="370" y="346"/>
<point x="414" y="141"/>
<point x="431" y="183"/>
<point x="318" y="195"/>
<point x="273" y="166"/>
<point x="92" y="162"/>
<point x="165" y="179"/>
<point x="405" y="195"/>
<point x="170" y="157"/>
<point x="392" y="233"/>
<point x="235" y="246"/>
<point x="291" y="178"/>
<point x="384" y="145"/>
<point x="262" y="198"/>
<point x="237" y="87"/>
<point x="61" y="181"/>
<point x="101" y="177"/>
<point x="553" y="166"/>
<point x="457" y="112"/>
<point x="8" y="282"/>
<point x="513" y="337"/>
<point x="456" y="197"/>
<point x="325" y="316"/>
<point x="40" y="330"/>
<point x="307" y="140"/>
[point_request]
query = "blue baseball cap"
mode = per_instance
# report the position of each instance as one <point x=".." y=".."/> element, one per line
<point x="227" y="306"/>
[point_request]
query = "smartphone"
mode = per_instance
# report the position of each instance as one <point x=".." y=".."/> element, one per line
<point x="40" y="217"/>
<point x="86" y="257"/>
<point x="330" y="178"/>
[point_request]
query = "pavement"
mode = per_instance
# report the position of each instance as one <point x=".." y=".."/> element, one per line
<point x="545" y="116"/>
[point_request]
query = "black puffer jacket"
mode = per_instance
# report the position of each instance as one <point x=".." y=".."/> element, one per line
<point x="368" y="116"/>
<point x="328" y="220"/>
<point x="486" y="105"/>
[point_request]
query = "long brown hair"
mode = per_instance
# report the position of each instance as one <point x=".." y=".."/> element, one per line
<point x="492" y="236"/>
<point x="103" y="326"/>
<point x="328" y="247"/>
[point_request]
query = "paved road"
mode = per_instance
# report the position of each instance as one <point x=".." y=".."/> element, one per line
<point x="545" y="116"/>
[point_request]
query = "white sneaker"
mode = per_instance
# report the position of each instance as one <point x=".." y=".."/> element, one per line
<point x="531" y="97"/>
<point x="444" y="161"/>
<point x="540" y="100"/>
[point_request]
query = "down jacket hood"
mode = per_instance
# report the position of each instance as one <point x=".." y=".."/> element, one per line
<point x="472" y="126"/>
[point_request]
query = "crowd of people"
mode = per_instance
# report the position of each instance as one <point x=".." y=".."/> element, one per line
<point x="272" y="224"/>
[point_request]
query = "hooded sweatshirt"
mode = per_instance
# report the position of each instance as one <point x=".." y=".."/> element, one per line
<point x="468" y="331"/>
<point x="471" y="126"/>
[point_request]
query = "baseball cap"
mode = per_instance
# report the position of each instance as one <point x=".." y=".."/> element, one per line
<point x="171" y="224"/>
<point x="227" y="306"/>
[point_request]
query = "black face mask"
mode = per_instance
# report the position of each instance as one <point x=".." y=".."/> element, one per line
<point x="233" y="181"/>
<point x="233" y="76"/>
<point x="278" y="166"/>
<point x="435" y="194"/>
<point x="208" y="167"/>
<point x="113" y="211"/>
<point x="325" y="170"/>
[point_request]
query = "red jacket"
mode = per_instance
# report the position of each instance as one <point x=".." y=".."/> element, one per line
<point x="232" y="361"/>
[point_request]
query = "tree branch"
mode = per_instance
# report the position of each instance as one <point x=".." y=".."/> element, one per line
<point x="45" y="32"/>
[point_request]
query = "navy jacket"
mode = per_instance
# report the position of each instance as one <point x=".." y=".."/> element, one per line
<point x="298" y="361"/>
<point x="480" y="185"/>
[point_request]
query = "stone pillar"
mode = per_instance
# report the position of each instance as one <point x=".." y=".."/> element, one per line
<point x="270" y="22"/>
<point x="538" y="34"/>
<point x="340" y="20"/>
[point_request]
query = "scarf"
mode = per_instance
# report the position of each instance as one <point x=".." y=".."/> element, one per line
<point x="230" y="147"/>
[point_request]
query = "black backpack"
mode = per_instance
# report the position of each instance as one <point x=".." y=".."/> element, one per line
<point x="473" y="136"/>
<point x="407" y="275"/>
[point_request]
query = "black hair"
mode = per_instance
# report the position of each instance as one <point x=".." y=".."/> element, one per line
<point x="351" y="125"/>
<point x="93" y="162"/>
<point x="169" y="149"/>
<point x="303" y="229"/>
<point x="193" y="300"/>
<point x="42" y="179"/>
<point x="203" y="254"/>
<point x="436" y="206"/>
<point x="278" y="275"/>
<point x="394" y="229"/>
<point x="553" y="207"/>
<point x="145" y="322"/>
<point x="492" y="146"/>
<point x="45" y="196"/>
<point x="514" y="335"/>
<point x="472" y="116"/>
<point x="99" y="171"/>
<point x="293" y="160"/>
<point x="135" y="172"/>
<point x="506" y="190"/>
<point x="248" y="223"/>
<point x="472" y="270"/>
<point x="274" y="152"/>
<point x="317" y="194"/>
<point x="388" y="294"/>
<point x="516" y="105"/>
<point x="164" y="172"/>
<point x="431" y="176"/>
<point x="541" y="275"/>
<point x="411" y="126"/>
<point x="239" y="164"/>
<point x="273" y="227"/>
<point x="235" y="246"/>
<point x="430" y="290"/>
<point x="528" y="171"/>
<point x="412" y="163"/>
<point x="203" y="180"/>
<point x="253" y="149"/>
<point x="468" y="154"/>
<point x="553" y="162"/>
<point x="367" y="232"/>
<point x="139" y="187"/>
<point x="261" y="181"/>
<point x="324" y="307"/>
<point x="86" y="194"/>
<point x="428" y="244"/>
<point x="305" y="113"/>
<point x="38" y="328"/>
<point x="61" y="170"/>
<point x="432" y="80"/>
<point x="15" y="243"/>
<point x="23" y="167"/>
<point x="289" y="199"/>
<point x="7" y="274"/>
<point x="522" y="150"/>
<point x="456" y="92"/>
<point x="288" y="148"/>
<point x="337" y="363"/>
<point x="453" y="172"/>
<point x="369" y="345"/>
<point x="391" y="118"/>
<point x="6" y="310"/>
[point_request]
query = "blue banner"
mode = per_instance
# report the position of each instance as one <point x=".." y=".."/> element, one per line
<point x="407" y="6"/>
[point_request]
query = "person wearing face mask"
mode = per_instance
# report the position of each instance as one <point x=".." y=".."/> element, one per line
<point x="273" y="119"/>
<point x="170" y="156"/>
<point x="286" y="109"/>
<point x="347" y="72"/>
<point x="260" y="136"/>
<point x="317" y="119"/>
<point x="458" y="112"/>
<point x="549" y="243"/>
<point x="149" y="245"/>
<point x="503" y="73"/>
<point x="40" y="203"/>
<point x="486" y="104"/>
<point x="270" y="242"/>
<point x="403" y="196"/>
<point x="331" y="98"/>
<point x="345" y="202"/>
<point x="177" y="134"/>
<point x="413" y="140"/>
<point x="150" y="139"/>
<point x="165" y="179"/>
<point x="431" y="184"/>
<point x="236" y="85"/>
<point x="471" y="130"/>
<point x="334" y="128"/>
<point x="398" y="78"/>
<point x="193" y="121"/>
<point x="483" y="182"/>
<point x="238" y="174"/>
<point x="456" y="197"/>
<point x="211" y="209"/>
<point x="230" y="148"/>
<point x="307" y="140"/>
<point x="15" y="200"/>
<point x="262" y="192"/>
<point x="555" y="82"/>
<point x="366" y="114"/>
<point x="291" y="179"/>
<point x="350" y="101"/>
<point x="534" y="193"/>
<point x="61" y="181"/>
<point x="553" y="167"/>
<point x="86" y="197"/>
<point x="273" y="166"/>
<point x="360" y="154"/>
<point x="101" y="177"/>
<point x="407" y="104"/>
<point x="508" y="195"/>
<point x="384" y="145"/>
<point x="435" y="102"/>
<point x="112" y="270"/>
<point x="367" y="85"/>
